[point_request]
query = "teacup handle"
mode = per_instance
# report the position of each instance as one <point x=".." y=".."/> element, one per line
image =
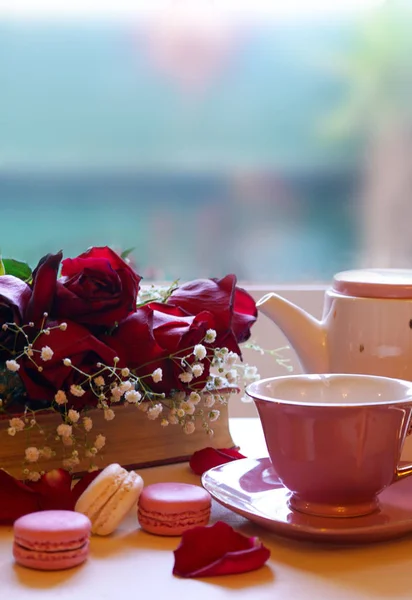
<point x="402" y="472"/>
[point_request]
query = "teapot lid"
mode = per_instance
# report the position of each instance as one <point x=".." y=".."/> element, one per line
<point x="374" y="283"/>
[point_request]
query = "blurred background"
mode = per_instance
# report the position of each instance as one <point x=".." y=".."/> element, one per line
<point x="270" y="141"/>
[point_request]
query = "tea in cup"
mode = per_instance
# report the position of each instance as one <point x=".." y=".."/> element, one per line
<point x="335" y="440"/>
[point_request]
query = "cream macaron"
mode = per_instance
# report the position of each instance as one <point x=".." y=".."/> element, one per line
<point x="109" y="498"/>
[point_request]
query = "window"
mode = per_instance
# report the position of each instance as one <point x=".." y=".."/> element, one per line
<point x="267" y="139"/>
<point x="272" y="144"/>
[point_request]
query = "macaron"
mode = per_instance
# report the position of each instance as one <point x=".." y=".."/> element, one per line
<point x="173" y="508"/>
<point x="109" y="497"/>
<point x="51" y="539"/>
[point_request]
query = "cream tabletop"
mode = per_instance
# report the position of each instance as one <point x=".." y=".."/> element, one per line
<point x="132" y="563"/>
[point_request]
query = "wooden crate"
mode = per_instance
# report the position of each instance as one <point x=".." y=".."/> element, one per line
<point x="131" y="440"/>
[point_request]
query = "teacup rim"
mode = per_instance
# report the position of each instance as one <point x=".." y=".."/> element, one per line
<point x="402" y="383"/>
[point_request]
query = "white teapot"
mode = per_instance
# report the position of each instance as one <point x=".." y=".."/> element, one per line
<point x="366" y="325"/>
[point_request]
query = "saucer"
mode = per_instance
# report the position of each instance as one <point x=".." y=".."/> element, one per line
<point x="251" y="488"/>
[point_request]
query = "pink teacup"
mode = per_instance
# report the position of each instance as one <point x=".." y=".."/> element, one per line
<point x="335" y="441"/>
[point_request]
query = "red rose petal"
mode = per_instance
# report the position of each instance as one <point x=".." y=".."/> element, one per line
<point x="16" y="499"/>
<point x="54" y="490"/>
<point x="82" y="484"/>
<point x="217" y="550"/>
<point x="207" y="458"/>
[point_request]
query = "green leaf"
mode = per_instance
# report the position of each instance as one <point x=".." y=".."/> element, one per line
<point x="126" y="253"/>
<point x="2" y="269"/>
<point x="17" y="268"/>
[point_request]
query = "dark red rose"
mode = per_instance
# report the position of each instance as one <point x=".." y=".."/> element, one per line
<point x="207" y="458"/>
<point x="76" y="343"/>
<point x="14" y="298"/>
<point x="233" y="309"/>
<point x="98" y="289"/>
<point x="53" y="491"/>
<point x="16" y="499"/>
<point x="146" y="339"/>
<point x="217" y="550"/>
<point x="44" y="280"/>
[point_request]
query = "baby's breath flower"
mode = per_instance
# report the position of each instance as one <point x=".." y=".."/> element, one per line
<point x="109" y="414"/>
<point x="32" y="454"/>
<point x="73" y="415"/>
<point x="33" y="476"/>
<point x="173" y="420"/>
<point x="210" y="336"/>
<point x="99" y="381"/>
<point x="180" y="413"/>
<point x="67" y="362"/>
<point x="67" y="441"/>
<point x="214" y="415"/>
<point x="133" y="396"/>
<point x="157" y="375"/>
<point x="230" y="359"/>
<point x="194" y="398"/>
<point x="12" y="431"/>
<point x="209" y="400"/>
<point x="46" y="452"/>
<point x="125" y="372"/>
<point x="154" y="411"/>
<point x="231" y="376"/>
<point x="63" y="326"/>
<point x="64" y="430"/>
<point x="199" y="351"/>
<point x="188" y="407"/>
<point x="46" y="353"/>
<point x="12" y="365"/>
<point x="197" y="369"/>
<point x="77" y="390"/>
<point x="99" y="441"/>
<point x="125" y="386"/>
<point x="143" y="406"/>
<point x="251" y="372"/>
<point x="189" y="427"/>
<point x="219" y="382"/>
<point x="186" y="377"/>
<point x="60" y="398"/>
<point x="87" y="423"/>
<point x="17" y="424"/>
<point x="164" y="422"/>
<point x="116" y="394"/>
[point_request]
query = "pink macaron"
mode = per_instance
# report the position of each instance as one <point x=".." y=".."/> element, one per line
<point x="51" y="540"/>
<point x="173" y="508"/>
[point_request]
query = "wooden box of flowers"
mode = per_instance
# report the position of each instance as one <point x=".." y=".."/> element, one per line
<point x="95" y="368"/>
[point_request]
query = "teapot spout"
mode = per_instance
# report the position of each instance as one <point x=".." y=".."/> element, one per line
<point x="306" y="334"/>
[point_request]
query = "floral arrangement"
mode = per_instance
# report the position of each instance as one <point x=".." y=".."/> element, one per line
<point x="82" y="333"/>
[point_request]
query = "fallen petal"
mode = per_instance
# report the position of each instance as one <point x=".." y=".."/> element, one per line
<point x="217" y="550"/>
<point x="207" y="458"/>
<point x="16" y="499"/>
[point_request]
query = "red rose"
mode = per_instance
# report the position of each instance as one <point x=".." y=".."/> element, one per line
<point x="98" y="288"/>
<point x="146" y="339"/>
<point x="81" y="347"/>
<point x="14" y="297"/>
<point x="44" y="281"/>
<point x="233" y="309"/>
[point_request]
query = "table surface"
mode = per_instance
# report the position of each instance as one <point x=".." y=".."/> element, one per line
<point x="132" y="562"/>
